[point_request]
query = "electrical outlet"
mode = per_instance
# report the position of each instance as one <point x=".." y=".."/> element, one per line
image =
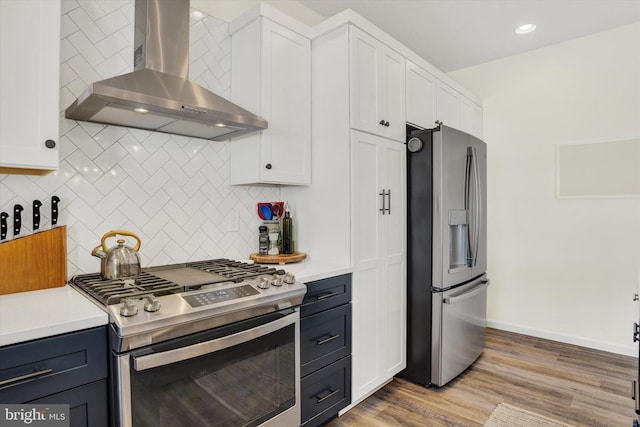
<point x="234" y="221"/>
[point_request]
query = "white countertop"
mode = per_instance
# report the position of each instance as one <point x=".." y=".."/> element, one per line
<point x="31" y="315"/>
<point x="308" y="270"/>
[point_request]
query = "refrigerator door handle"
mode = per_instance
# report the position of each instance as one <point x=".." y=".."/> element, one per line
<point x="467" y="295"/>
<point x="467" y="203"/>
<point x="477" y="206"/>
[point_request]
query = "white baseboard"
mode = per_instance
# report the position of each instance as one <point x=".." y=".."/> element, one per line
<point x="627" y="350"/>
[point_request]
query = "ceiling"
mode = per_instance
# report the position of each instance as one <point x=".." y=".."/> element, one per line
<point x="455" y="34"/>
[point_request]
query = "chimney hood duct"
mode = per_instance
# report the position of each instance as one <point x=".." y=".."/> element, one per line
<point x="158" y="95"/>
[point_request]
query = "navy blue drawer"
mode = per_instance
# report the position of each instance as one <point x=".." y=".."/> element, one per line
<point x="326" y="392"/>
<point x="51" y="365"/>
<point x="325" y="294"/>
<point x="88" y="404"/>
<point x="324" y="338"/>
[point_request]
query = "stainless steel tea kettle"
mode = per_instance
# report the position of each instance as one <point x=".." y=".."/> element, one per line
<point x="118" y="262"/>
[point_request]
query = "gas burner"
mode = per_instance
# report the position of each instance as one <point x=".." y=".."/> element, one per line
<point x="113" y="291"/>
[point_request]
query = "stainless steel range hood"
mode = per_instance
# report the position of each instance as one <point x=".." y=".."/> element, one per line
<point x="158" y="94"/>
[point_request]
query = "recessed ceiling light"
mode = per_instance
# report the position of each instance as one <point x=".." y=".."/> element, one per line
<point x="526" y="28"/>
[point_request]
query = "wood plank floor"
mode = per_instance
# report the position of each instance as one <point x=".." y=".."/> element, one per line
<point x="576" y="385"/>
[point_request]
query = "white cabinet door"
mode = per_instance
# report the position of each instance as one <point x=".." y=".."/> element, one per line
<point x="420" y="96"/>
<point x="379" y="295"/>
<point x="271" y="77"/>
<point x="447" y="105"/>
<point x="393" y="285"/>
<point x="377" y="87"/>
<point x="29" y="84"/>
<point x="471" y="117"/>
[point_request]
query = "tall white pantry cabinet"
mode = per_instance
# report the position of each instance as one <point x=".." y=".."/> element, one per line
<point x="358" y="175"/>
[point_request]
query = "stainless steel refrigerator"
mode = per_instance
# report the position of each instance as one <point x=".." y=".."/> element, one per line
<point x="447" y="253"/>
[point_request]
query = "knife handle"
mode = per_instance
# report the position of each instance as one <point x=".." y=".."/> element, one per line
<point x="36" y="214"/>
<point x="3" y="225"/>
<point x="17" y="219"/>
<point x="54" y="210"/>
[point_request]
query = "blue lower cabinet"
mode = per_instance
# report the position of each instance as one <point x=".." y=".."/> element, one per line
<point x="64" y="369"/>
<point x="88" y="404"/>
<point x="325" y="349"/>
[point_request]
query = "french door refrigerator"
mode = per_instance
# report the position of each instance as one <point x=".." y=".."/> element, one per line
<point x="447" y="253"/>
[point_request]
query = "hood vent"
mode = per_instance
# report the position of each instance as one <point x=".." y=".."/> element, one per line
<point x="158" y="95"/>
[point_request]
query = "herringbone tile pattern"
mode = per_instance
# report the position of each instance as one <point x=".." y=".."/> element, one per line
<point x="172" y="191"/>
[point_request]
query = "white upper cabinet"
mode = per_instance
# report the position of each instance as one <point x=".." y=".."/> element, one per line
<point x="29" y="84"/>
<point x="271" y="77"/>
<point x="447" y="105"/>
<point x="420" y="96"/>
<point x="377" y="87"/>
<point x="471" y="117"/>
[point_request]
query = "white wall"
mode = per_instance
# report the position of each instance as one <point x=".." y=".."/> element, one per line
<point x="564" y="269"/>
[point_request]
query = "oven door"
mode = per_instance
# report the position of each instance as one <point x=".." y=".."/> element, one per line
<point x="243" y="374"/>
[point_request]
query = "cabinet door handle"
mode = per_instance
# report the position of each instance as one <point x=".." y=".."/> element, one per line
<point x="25" y="377"/>
<point x="329" y="295"/>
<point x="50" y="143"/>
<point x="326" y="340"/>
<point x="331" y="393"/>
<point x="268" y="166"/>
<point x="389" y="201"/>
<point x="381" y="122"/>
<point x="383" y="209"/>
<point x="386" y="124"/>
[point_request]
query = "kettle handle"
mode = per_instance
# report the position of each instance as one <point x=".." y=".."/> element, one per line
<point x="115" y="233"/>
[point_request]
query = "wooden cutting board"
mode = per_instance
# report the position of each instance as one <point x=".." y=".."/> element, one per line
<point x="37" y="261"/>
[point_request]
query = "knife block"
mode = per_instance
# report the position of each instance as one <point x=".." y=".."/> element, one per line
<point x="37" y="261"/>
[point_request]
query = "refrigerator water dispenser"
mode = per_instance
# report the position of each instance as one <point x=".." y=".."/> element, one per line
<point x="457" y="239"/>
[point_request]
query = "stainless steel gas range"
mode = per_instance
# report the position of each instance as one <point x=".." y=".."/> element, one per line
<point x="203" y="343"/>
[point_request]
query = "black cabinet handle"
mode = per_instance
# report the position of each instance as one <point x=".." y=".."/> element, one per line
<point x="50" y="143"/>
<point x="389" y="202"/>
<point x="326" y="340"/>
<point x="383" y="209"/>
<point x="329" y="295"/>
<point x="331" y="393"/>
<point x="386" y="124"/>
<point x="268" y="166"/>
<point x="381" y="122"/>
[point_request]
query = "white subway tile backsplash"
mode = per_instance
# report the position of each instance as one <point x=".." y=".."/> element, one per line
<point x="84" y="22"/>
<point x="112" y="22"/>
<point x="81" y="43"/>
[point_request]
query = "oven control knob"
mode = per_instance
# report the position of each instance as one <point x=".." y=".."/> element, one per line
<point x="277" y="280"/>
<point x="264" y="282"/>
<point x="129" y="308"/>
<point x="289" y="278"/>
<point x="152" y="304"/>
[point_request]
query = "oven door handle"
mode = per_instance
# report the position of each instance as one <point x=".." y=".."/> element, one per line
<point x="140" y="363"/>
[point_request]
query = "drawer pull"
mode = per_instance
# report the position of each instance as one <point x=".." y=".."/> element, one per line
<point x="326" y="340"/>
<point x="329" y="295"/>
<point x="25" y="377"/>
<point x="331" y="393"/>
